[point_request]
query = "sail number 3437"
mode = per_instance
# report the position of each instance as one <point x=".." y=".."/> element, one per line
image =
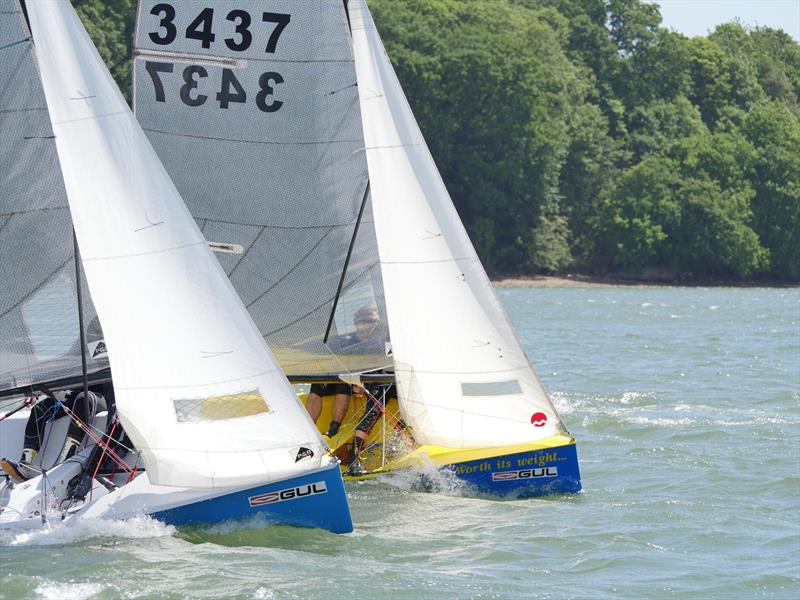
<point x="202" y="29"/>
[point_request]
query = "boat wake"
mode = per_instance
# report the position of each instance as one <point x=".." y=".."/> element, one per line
<point x="258" y="531"/>
<point x="428" y="478"/>
<point x="71" y="591"/>
<point x="75" y="530"/>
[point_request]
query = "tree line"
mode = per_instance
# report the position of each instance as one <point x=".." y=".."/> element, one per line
<point x="582" y="136"/>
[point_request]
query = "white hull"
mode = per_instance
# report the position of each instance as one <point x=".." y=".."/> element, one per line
<point x="311" y="499"/>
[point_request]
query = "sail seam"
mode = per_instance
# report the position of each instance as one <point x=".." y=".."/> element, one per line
<point x="245" y="253"/>
<point x="37" y="288"/>
<point x="134" y="255"/>
<point x="194" y="385"/>
<point x="265" y="226"/>
<point x="290" y="271"/>
<point x="185" y="56"/>
<point x="291" y="445"/>
<point x="272" y="143"/>
<point x="430" y="262"/>
<point x="461" y="411"/>
<point x="33" y="210"/>
<point x="395" y="146"/>
<point x="91" y="117"/>
<point x="465" y="373"/>
<point x="313" y="310"/>
<point x="19" y="110"/>
<point x="17" y="43"/>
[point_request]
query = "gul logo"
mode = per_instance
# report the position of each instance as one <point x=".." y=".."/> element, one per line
<point x="292" y="493"/>
<point x="525" y="474"/>
<point x="303" y="453"/>
<point x="539" y="419"/>
<point x="99" y="349"/>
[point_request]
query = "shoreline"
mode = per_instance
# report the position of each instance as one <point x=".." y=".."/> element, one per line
<point x="588" y="281"/>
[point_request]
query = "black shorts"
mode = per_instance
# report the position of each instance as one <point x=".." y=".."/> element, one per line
<point x="329" y="389"/>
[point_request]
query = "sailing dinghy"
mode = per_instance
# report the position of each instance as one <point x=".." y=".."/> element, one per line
<point x="217" y="430"/>
<point x="287" y="133"/>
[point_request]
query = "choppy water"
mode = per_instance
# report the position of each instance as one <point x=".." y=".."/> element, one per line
<point x="686" y="406"/>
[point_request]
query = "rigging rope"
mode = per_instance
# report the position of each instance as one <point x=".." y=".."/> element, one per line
<point x="90" y="430"/>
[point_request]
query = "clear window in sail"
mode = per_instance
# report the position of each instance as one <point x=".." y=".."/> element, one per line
<point x="220" y="408"/>
<point x="491" y="388"/>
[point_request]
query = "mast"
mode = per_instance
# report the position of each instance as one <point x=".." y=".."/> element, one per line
<point x="346" y="263"/>
<point x="81" y="329"/>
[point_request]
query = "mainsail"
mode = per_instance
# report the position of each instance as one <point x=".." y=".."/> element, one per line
<point x="463" y="379"/>
<point x="197" y="389"/>
<point x="39" y="335"/>
<point x="253" y="108"/>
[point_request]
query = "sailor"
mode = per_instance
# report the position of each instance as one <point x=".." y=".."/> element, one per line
<point x="49" y="409"/>
<point x="369" y="337"/>
<point x="375" y="398"/>
<point x="340" y="403"/>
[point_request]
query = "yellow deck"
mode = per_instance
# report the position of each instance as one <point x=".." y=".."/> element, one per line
<point x="396" y="450"/>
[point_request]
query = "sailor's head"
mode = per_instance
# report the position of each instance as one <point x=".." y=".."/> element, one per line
<point x="365" y="320"/>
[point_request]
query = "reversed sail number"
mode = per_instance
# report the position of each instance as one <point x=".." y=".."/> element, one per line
<point x="231" y="89"/>
<point x="202" y="28"/>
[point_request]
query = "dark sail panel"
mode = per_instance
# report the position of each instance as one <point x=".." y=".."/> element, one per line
<point x="39" y="335"/>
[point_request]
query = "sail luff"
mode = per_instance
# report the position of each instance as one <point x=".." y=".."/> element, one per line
<point x="463" y="378"/>
<point x="197" y="389"/>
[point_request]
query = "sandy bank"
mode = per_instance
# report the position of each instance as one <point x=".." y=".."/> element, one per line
<point x="584" y="281"/>
<point x="573" y="281"/>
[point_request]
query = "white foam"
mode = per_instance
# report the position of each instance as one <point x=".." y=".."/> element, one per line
<point x="75" y="530"/>
<point x="659" y="421"/>
<point x="263" y="594"/>
<point x="252" y="522"/>
<point x="562" y="403"/>
<point x="629" y="397"/>
<point x="68" y="591"/>
<point x="427" y="478"/>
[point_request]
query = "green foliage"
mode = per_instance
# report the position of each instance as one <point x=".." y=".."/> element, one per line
<point x="110" y="24"/>
<point x="671" y="214"/>
<point x="637" y="214"/>
<point x="582" y="134"/>
<point x="774" y="132"/>
<point x="494" y="103"/>
<point x="550" y="250"/>
<point x="663" y="124"/>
